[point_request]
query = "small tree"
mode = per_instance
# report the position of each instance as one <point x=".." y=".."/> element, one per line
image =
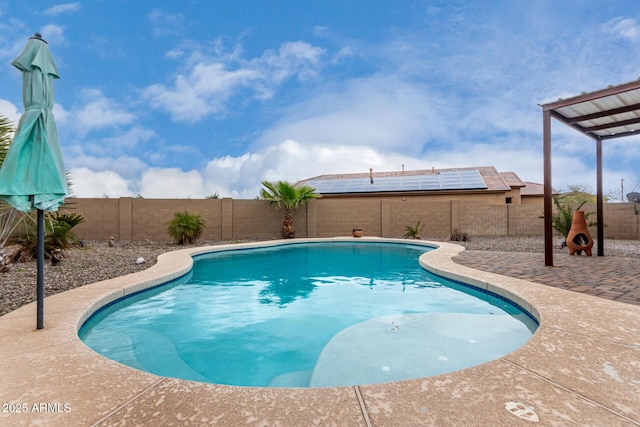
<point x="288" y="197"/>
<point x="563" y="218"/>
<point x="579" y="193"/>
<point x="185" y="227"/>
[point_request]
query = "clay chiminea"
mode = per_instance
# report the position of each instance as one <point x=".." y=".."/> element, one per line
<point x="579" y="239"/>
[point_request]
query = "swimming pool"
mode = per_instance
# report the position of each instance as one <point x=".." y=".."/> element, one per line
<point x="308" y="315"/>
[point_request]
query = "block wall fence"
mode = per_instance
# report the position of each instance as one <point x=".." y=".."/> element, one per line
<point x="229" y="219"/>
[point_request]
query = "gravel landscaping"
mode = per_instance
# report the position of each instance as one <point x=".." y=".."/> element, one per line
<point x="97" y="261"/>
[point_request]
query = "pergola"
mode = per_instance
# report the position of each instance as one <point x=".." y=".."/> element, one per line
<point x="608" y="113"/>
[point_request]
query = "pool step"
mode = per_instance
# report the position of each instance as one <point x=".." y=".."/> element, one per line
<point x="165" y="360"/>
<point x="398" y="347"/>
<point x="292" y="379"/>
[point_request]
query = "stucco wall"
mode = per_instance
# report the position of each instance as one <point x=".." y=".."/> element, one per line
<point x="228" y="219"/>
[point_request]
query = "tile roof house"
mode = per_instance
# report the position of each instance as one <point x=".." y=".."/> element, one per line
<point x="469" y="183"/>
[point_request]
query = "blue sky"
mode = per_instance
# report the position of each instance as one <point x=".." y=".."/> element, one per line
<point x="191" y="98"/>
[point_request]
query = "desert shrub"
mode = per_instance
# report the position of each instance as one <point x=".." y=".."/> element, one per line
<point x="459" y="236"/>
<point x="58" y="235"/>
<point x="185" y="227"/>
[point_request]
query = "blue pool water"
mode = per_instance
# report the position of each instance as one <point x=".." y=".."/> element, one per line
<point x="308" y="315"/>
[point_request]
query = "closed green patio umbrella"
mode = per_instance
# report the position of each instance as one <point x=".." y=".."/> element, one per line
<point x="32" y="175"/>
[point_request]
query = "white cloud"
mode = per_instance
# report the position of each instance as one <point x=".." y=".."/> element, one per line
<point x="201" y="93"/>
<point x="174" y="53"/>
<point x="60" y="113"/>
<point x="209" y="82"/>
<point x="106" y="48"/>
<point x="320" y="31"/>
<point x="12" y="39"/>
<point x="382" y="112"/>
<point x="172" y="183"/>
<point x="129" y="138"/>
<point x="130" y="168"/>
<point x="63" y="8"/>
<point x="87" y="183"/>
<point x="53" y="34"/>
<point x="344" y="52"/>
<point x="166" y="24"/>
<point x="293" y="58"/>
<point x="625" y="28"/>
<point x="98" y="112"/>
<point x="10" y="111"/>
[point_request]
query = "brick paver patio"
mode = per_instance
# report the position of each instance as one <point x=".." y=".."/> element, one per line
<point x="608" y="277"/>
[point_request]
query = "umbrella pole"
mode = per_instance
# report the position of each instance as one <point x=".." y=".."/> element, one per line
<point x="40" y="278"/>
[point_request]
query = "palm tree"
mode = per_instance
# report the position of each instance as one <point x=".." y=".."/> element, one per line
<point x="6" y="133"/>
<point x="413" y="232"/>
<point x="186" y="227"/>
<point x="288" y="197"/>
<point x="9" y="217"/>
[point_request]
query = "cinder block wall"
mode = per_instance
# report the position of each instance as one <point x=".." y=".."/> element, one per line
<point x="140" y="219"/>
<point x="101" y="218"/>
<point x="228" y="219"/>
<point x="524" y="220"/>
<point x="620" y="221"/>
<point x="435" y="216"/>
<point x="258" y="219"/>
<point x="338" y="217"/>
<point x="477" y="219"/>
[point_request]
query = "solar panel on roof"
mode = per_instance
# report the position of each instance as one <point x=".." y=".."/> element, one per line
<point x="411" y="181"/>
<point x="429" y="186"/>
<point x="445" y="180"/>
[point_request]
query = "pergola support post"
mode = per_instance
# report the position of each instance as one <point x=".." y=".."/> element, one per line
<point x="548" y="189"/>
<point x="599" y="197"/>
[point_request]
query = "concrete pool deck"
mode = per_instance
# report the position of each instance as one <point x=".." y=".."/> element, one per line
<point x="582" y="367"/>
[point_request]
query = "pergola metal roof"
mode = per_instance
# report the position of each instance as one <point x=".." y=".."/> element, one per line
<point x="608" y="113"/>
